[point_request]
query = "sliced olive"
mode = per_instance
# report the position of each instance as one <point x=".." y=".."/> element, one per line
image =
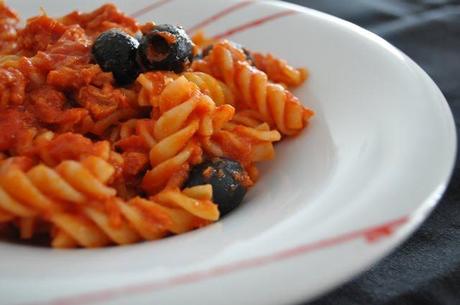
<point x="166" y="47"/>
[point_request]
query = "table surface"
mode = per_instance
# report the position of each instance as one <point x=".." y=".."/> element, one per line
<point x="425" y="269"/>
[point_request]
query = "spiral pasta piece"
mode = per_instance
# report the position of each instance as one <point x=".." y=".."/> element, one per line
<point x="277" y="106"/>
<point x="153" y="84"/>
<point x="278" y="70"/>
<point x="208" y="85"/>
<point x="184" y="121"/>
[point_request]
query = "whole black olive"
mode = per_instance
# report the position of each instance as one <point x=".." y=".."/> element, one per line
<point x="228" y="180"/>
<point x="166" y="47"/>
<point x="115" y="51"/>
<point x="208" y="49"/>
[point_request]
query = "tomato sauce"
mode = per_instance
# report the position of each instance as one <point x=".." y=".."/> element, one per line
<point x="70" y="146"/>
<point x="48" y="80"/>
<point x="16" y="130"/>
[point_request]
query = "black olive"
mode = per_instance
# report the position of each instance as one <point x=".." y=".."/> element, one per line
<point x="115" y="51"/>
<point x="248" y="54"/>
<point x="166" y="47"/>
<point x="227" y="179"/>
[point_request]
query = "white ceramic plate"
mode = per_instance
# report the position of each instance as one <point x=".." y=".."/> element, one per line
<point x="374" y="162"/>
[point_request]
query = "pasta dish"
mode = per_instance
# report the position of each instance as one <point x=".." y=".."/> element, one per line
<point x="114" y="132"/>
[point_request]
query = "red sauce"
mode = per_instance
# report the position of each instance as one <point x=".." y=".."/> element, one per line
<point x="12" y="87"/>
<point x="134" y="163"/>
<point x="16" y="131"/>
<point x="239" y="149"/>
<point x="8" y="24"/>
<point x="40" y="32"/>
<point x="51" y="82"/>
<point x="71" y="146"/>
<point x="102" y="19"/>
<point x="50" y="107"/>
<point x="132" y="144"/>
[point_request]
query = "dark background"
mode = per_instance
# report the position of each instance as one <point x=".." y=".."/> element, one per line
<point x="426" y="269"/>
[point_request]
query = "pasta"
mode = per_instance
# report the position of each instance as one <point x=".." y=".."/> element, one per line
<point x="278" y="70"/>
<point x="217" y="90"/>
<point x="42" y="190"/>
<point x="277" y="106"/>
<point x="94" y="154"/>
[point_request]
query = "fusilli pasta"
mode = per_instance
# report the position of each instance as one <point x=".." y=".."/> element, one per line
<point x="84" y="211"/>
<point x="278" y="70"/>
<point x="89" y="159"/>
<point x="272" y="101"/>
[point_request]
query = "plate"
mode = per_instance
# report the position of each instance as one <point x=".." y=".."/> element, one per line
<point x="368" y="170"/>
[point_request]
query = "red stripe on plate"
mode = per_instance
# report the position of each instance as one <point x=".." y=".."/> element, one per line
<point x="149" y="287"/>
<point x="254" y="23"/>
<point x="220" y="14"/>
<point x="149" y="8"/>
